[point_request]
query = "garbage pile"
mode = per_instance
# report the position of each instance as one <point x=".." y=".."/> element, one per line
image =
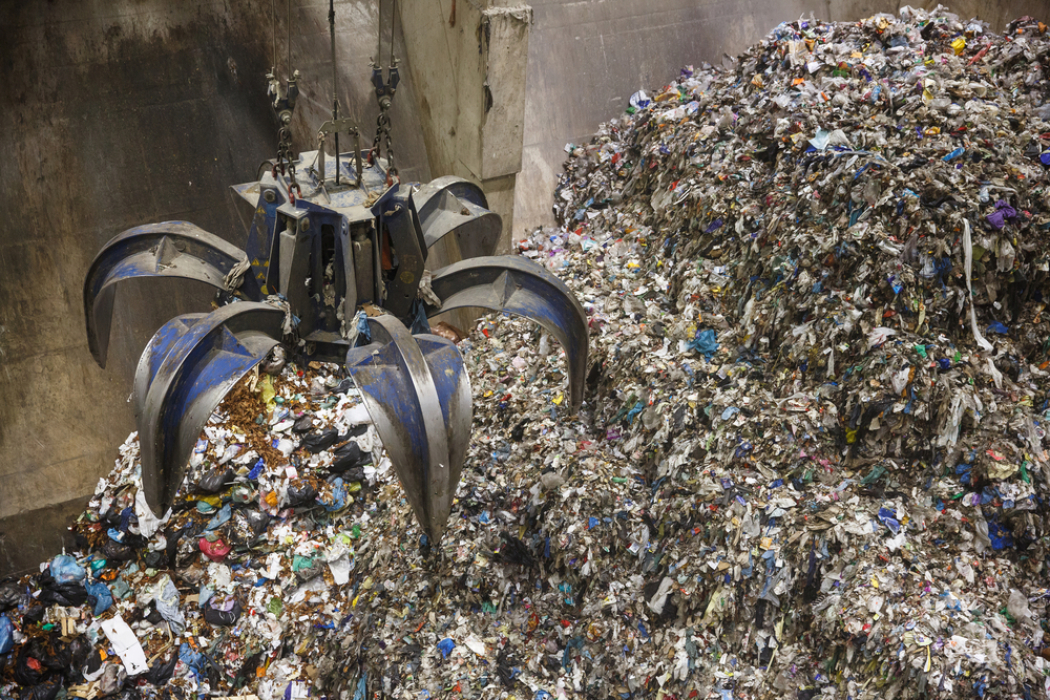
<point x="811" y="461"/>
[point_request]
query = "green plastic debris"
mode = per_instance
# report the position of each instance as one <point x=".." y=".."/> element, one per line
<point x="874" y="475"/>
<point x="300" y="562"/>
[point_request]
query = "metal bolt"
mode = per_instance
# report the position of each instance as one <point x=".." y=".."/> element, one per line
<point x="270" y="196"/>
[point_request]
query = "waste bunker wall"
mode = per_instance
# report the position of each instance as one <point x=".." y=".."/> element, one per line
<point x="587" y="58"/>
<point x="133" y="112"/>
<point x="114" y="115"/>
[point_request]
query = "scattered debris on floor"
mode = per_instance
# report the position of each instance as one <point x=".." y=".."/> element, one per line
<point x="811" y="462"/>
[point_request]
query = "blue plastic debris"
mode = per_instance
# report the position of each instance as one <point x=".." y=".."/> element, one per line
<point x="260" y="465"/>
<point x="65" y="569"/>
<point x="1001" y="537"/>
<point x="705" y="342"/>
<point x="220" y="518"/>
<point x="445" y="646"/>
<point x="193" y="659"/>
<point x="888" y="517"/>
<point x="100" y="592"/>
<point x="996" y="327"/>
<point x="361" y="693"/>
<point x="7" y="634"/>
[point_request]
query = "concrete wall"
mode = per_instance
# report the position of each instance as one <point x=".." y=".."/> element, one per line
<point x="586" y="58"/>
<point x="114" y="114"/>
<point x="471" y="57"/>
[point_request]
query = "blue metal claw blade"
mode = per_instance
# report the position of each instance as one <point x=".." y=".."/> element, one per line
<point x="418" y="397"/>
<point x="168" y="249"/>
<point x="451" y="204"/>
<point x="187" y="368"/>
<point x="518" y="286"/>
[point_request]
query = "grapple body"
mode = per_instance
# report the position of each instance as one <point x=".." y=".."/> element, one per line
<point x="320" y="256"/>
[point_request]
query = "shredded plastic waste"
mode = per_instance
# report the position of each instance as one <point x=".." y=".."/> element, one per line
<point x="811" y="460"/>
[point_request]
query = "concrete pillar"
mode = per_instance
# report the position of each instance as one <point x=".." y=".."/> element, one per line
<point x="467" y="59"/>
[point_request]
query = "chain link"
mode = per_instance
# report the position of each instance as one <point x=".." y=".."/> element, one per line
<point x="383" y="138"/>
<point x="285" y="163"/>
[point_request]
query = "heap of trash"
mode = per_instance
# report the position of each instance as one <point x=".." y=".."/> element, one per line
<point x="811" y="460"/>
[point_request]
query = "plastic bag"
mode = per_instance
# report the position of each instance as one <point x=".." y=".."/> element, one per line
<point x="222" y="611"/>
<point x="215" y="550"/>
<point x="161" y="671"/>
<point x="300" y="495"/>
<point x="116" y="551"/>
<point x="215" y="481"/>
<point x="29" y="664"/>
<point x="303" y="424"/>
<point x="10" y="595"/>
<point x="99" y="596"/>
<point x="7" y="634"/>
<point x="112" y="679"/>
<point x="167" y="602"/>
<point x="320" y="441"/>
<point x="65" y="594"/>
<point x="350" y="457"/>
<point x="306" y="568"/>
<point x="65" y="569"/>
<point x="247" y="527"/>
<point x="42" y="691"/>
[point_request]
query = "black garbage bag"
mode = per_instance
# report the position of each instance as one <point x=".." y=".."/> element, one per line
<point x="41" y="691"/>
<point x="161" y="671"/>
<point x="348" y="457"/>
<point x="10" y="595"/>
<point x="303" y="424"/>
<point x="92" y="664"/>
<point x="72" y="594"/>
<point x="301" y="495"/>
<point x="514" y="551"/>
<point x="29" y="664"/>
<point x="350" y="475"/>
<point x="79" y="650"/>
<point x="61" y="658"/>
<point x="112" y="517"/>
<point x="506" y="668"/>
<point x="153" y="615"/>
<point x="128" y="692"/>
<point x="33" y="613"/>
<point x="117" y="551"/>
<point x="173" y="535"/>
<point x="256" y="521"/>
<point x="216" y="480"/>
<point x="246" y="526"/>
<point x="154" y="560"/>
<point x="354" y="431"/>
<point x="250" y="665"/>
<point x="222" y="618"/>
<point x="320" y="441"/>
